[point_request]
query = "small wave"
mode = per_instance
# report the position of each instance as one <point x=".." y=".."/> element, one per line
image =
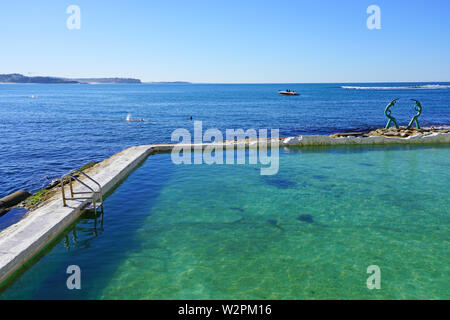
<point x="417" y="87"/>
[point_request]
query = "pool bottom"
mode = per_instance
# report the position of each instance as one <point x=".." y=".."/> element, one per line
<point x="226" y="232"/>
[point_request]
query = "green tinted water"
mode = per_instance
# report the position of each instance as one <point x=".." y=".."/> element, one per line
<point x="226" y="232"/>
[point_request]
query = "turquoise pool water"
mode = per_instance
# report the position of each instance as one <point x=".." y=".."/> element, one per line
<point x="226" y="232"/>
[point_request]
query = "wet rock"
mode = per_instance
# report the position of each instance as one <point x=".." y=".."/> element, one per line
<point x="54" y="183"/>
<point x="14" y="199"/>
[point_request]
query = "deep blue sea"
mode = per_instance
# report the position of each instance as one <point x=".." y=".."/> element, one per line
<point x="45" y="130"/>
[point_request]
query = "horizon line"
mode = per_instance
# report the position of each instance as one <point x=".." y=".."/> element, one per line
<point x="212" y="82"/>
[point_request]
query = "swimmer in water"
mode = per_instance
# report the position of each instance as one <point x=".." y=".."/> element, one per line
<point x="129" y="119"/>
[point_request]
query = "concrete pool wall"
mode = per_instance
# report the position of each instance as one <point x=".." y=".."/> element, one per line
<point x="24" y="240"/>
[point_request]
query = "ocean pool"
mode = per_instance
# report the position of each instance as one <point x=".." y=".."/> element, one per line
<point x="226" y="232"/>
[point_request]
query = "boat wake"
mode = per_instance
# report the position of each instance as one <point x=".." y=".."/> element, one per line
<point x="417" y="87"/>
<point x="129" y="119"/>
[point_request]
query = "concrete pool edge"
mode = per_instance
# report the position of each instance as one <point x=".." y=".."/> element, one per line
<point x="26" y="239"/>
<point x="22" y="241"/>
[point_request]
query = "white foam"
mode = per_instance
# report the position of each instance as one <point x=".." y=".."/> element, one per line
<point x="418" y="87"/>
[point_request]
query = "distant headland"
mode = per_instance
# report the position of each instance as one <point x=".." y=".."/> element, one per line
<point x="169" y="82"/>
<point x="19" y="78"/>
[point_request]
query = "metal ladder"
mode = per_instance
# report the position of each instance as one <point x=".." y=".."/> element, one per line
<point x="95" y="194"/>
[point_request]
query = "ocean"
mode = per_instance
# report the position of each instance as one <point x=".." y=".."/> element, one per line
<point x="46" y="130"/>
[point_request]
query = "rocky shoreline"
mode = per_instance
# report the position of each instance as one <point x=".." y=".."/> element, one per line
<point x="401" y="132"/>
<point x="23" y="199"/>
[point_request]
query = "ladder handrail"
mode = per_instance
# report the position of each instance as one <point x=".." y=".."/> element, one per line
<point x="70" y="176"/>
<point x="98" y="184"/>
<point x="94" y="193"/>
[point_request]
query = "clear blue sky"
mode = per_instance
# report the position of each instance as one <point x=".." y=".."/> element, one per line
<point x="229" y="40"/>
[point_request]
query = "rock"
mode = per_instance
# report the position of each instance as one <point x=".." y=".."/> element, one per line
<point x="378" y="132"/>
<point x="349" y="134"/>
<point x="88" y="165"/>
<point x="13" y="199"/>
<point x="392" y="134"/>
<point x="54" y="183"/>
<point x="404" y="132"/>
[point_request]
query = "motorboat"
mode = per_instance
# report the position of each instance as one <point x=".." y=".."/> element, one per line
<point x="288" y="93"/>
